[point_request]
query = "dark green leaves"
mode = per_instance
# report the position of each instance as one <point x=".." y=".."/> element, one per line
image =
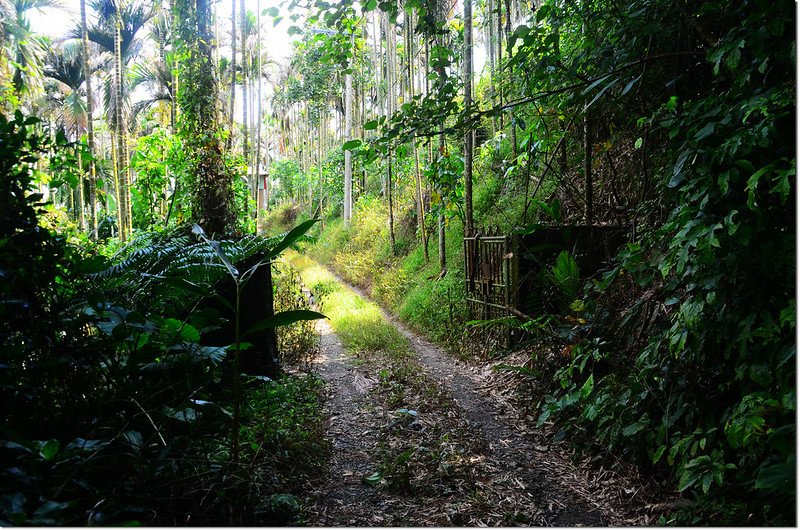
<point x="352" y="144"/>
<point x="283" y="318"/>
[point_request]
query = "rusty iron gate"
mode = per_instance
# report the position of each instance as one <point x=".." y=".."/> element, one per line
<point x="488" y="267"/>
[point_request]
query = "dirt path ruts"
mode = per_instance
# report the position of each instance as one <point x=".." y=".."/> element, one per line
<point x="545" y="482"/>
<point x="523" y="454"/>
<point x="343" y="499"/>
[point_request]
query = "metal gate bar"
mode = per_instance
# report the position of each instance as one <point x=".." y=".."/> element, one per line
<point x="487" y="264"/>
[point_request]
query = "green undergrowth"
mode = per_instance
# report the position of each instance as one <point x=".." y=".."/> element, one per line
<point x="406" y="284"/>
<point x="358" y="323"/>
<point x="284" y="437"/>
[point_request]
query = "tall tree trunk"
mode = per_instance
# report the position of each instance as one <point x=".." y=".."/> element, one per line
<point x="468" y="138"/>
<point x="587" y="167"/>
<point x="259" y="117"/>
<point x="413" y="89"/>
<point x="232" y="109"/>
<point x="81" y="198"/>
<point x="587" y="145"/>
<point x="212" y="195"/>
<point x="391" y="46"/>
<point x="117" y="195"/>
<point x="348" y="156"/>
<point x="122" y="191"/>
<point x="510" y="51"/>
<point x="490" y="44"/>
<point x="245" y="146"/>
<point x="89" y="121"/>
<point x="440" y="73"/>
<point x="500" y="84"/>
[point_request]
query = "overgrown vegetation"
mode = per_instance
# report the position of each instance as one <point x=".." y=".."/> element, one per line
<point x="119" y="409"/>
<point x="125" y="329"/>
<point x="670" y="120"/>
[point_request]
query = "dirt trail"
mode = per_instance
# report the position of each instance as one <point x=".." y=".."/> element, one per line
<point x="522" y="474"/>
<point x="344" y="500"/>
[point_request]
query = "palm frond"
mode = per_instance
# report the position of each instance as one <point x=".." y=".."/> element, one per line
<point x="174" y="268"/>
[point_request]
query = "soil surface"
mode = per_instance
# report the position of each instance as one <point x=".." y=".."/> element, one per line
<point x="508" y="474"/>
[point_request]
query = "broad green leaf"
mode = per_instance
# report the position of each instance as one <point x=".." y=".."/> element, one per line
<point x="778" y="477"/>
<point x="687" y="480"/>
<point x="293" y="235"/>
<point x="189" y="333"/>
<point x="705" y="132"/>
<point x="706" y="483"/>
<point x="659" y="453"/>
<point x="633" y="428"/>
<point x="587" y="387"/>
<point x="284" y="318"/>
<point x="49" y="449"/>
<point x="352" y="144"/>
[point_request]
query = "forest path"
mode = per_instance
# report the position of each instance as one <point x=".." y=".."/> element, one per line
<point x="445" y="453"/>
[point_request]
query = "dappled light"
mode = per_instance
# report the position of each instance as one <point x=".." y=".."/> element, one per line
<point x="413" y="263"/>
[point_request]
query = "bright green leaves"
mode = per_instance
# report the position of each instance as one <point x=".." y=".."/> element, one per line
<point x="180" y="330"/>
<point x="587" y="387"/>
<point x="49" y="449"/>
<point x="565" y="276"/>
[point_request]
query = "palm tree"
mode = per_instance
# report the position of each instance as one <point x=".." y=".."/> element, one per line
<point x="89" y="121"/>
<point x="116" y="33"/>
<point x="157" y="79"/>
<point x="64" y="76"/>
<point x="26" y="50"/>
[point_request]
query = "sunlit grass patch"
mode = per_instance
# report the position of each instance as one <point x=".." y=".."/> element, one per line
<point x="359" y="324"/>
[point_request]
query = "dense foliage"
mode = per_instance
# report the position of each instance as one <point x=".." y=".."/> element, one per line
<point x="118" y="406"/>
<point x="123" y="334"/>
<point x="675" y="120"/>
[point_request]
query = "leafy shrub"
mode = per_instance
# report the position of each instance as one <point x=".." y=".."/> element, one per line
<point x="109" y="389"/>
<point x="696" y="377"/>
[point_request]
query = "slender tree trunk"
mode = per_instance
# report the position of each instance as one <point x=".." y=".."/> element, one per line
<point x="587" y="150"/>
<point x="348" y="156"/>
<point x="510" y="79"/>
<point x="413" y="89"/>
<point x="391" y="47"/>
<point x="420" y="203"/>
<point x="232" y="109"/>
<point x="259" y="117"/>
<point x="122" y="192"/>
<point x="81" y="198"/>
<point x="468" y="138"/>
<point x="490" y="44"/>
<point x="499" y="84"/>
<point x="245" y="146"/>
<point x="89" y="121"/>
<point x="587" y="167"/>
<point x="440" y="72"/>
<point x="117" y="194"/>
